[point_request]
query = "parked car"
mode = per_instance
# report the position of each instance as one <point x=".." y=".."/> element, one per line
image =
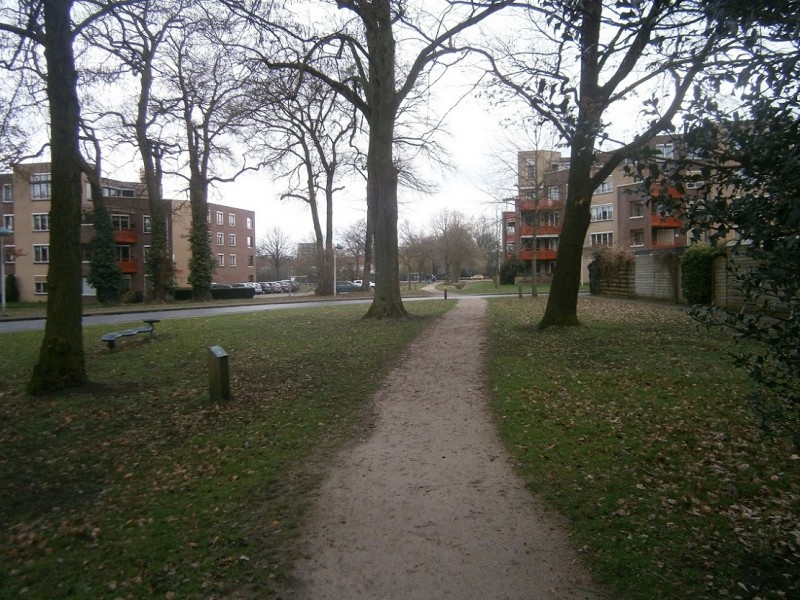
<point x="249" y="284"/>
<point x="293" y="285"/>
<point x="277" y="288"/>
<point x="265" y="287"/>
<point x="360" y="282"/>
<point x="346" y="286"/>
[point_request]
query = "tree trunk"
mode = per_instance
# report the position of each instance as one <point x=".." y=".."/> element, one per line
<point x="562" y="303"/>
<point x="201" y="263"/>
<point x="159" y="264"/>
<point x="61" y="358"/>
<point x="381" y="170"/>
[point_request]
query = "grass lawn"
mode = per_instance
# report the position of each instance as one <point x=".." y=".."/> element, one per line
<point x="136" y="486"/>
<point x="638" y="430"/>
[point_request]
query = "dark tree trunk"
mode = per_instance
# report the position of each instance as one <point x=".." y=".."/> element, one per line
<point x="201" y="263"/>
<point x="381" y="170"/>
<point x="562" y="303"/>
<point x="159" y="264"/>
<point x="61" y="361"/>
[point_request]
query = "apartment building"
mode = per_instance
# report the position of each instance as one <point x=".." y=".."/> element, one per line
<point x="25" y="209"/>
<point x="621" y="213"/>
<point x="233" y="242"/>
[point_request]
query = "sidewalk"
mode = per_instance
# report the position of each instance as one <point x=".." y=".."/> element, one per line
<point x="428" y="506"/>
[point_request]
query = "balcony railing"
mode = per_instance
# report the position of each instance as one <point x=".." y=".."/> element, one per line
<point x="128" y="267"/>
<point x="659" y="222"/>
<point x="126" y="236"/>
<point x="527" y="254"/>
<point x="541" y="230"/>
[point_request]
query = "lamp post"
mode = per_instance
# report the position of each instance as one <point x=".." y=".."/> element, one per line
<point x="4" y="232"/>
<point x="335" y="248"/>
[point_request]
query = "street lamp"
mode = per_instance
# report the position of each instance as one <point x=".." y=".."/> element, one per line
<point x="4" y="232"/>
<point x="335" y="248"/>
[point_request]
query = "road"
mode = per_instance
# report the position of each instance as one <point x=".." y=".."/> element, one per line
<point x="8" y="325"/>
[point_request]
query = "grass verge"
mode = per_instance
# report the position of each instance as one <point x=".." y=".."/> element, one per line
<point x="136" y="486"/>
<point x="637" y="428"/>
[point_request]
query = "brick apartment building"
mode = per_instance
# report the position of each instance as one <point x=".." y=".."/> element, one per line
<point x="620" y="213"/>
<point x="25" y="208"/>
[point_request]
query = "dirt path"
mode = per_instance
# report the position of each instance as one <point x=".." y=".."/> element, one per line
<point x="428" y="507"/>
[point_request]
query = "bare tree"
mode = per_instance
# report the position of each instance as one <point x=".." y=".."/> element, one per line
<point x="369" y="82"/>
<point x="620" y="50"/>
<point x="355" y="239"/>
<point x="308" y="143"/>
<point x="208" y="78"/>
<point x="276" y="248"/>
<point x="455" y="242"/>
<point x="137" y="38"/>
<point x="48" y="25"/>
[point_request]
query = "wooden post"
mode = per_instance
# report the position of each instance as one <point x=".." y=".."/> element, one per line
<point x="219" y="388"/>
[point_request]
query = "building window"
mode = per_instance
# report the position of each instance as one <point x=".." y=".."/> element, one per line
<point x="232" y="240"/>
<point x="602" y="239"/>
<point x="124" y="253"/>
<point x="527" y="219"/>
<point x="146" y="253"/>
<point x="511" y="248"/>
<point x="251" y="261"/>
<point x="548" y="243"/>
<point x="41" y="253"/>
<point x="665" y="150"/>
<point x="637" y="237"/>
<point x="231" y="220"/>
<point x="554" y="192"/>
<point x="220" y="260"/>
<point x="602" y="212"/>
<point x="511" y="228"/>
<point x="530" y="169"/>
<point x="549" y="219"/>
<point x="249" y="241"/>
<point x="8" y="222"/>
<point x="208" y="216"/>
<point x="121" y="222"/>
<point x="220" y="218"/>
<point x="40" y="186"/>
<point x="232" y="260"/>
<point x="40" y="285"/>
<point x="117" y="192"/>
<point x="8" y="192"/>
<point x="220" y="239"/>
<point x="146" y="223"/>
<point x="637" y="209"/>
<point x="41" y="221"/>
<point x="10" y="255"/>
<point x="526" y="243"/>
<point x="605" y="188"/>
<point x="249" y="222"/>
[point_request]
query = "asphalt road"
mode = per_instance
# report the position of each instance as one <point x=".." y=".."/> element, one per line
<point x="10" y="325"/>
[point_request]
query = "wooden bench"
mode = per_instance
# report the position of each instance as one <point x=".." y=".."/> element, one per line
<point x="112" y="337"/>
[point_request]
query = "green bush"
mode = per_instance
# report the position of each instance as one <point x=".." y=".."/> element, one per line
<point x="11" y="290"/>
<point x="697" y="273"/>
<point x="510" y="269"/>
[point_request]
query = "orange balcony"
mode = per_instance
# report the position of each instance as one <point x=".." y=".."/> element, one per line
<point x="540" y="254"/>
<point x="126" y="236"/>
<point x="659" y="222"/>
<point x="546" y="254"/>
<point x="128" y="267"/>
<point x="541" y="230"/>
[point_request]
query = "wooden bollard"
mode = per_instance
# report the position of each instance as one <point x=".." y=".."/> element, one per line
<point x="520" y="292"/>
<point x="219" y="388"/>
<point x="445" y="293"/>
